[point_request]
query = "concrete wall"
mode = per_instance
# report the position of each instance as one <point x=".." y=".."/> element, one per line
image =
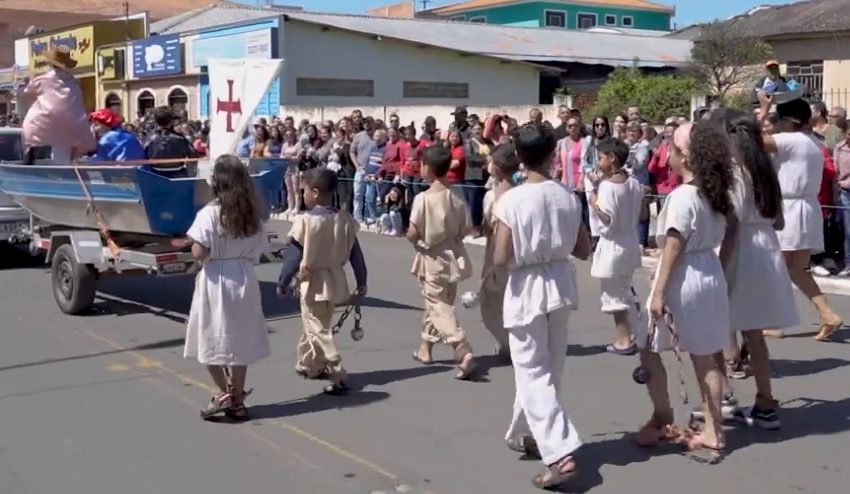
<point x="313" y="53"/>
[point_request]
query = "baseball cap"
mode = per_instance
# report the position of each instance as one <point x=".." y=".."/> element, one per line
<point x="460" y="110"/>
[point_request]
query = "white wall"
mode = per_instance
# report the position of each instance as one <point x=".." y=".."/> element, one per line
<point x="311" y="52"/>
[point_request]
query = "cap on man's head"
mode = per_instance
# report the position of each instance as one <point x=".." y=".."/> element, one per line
<point x="460" y="110"/>
<point x="771" y="63"/>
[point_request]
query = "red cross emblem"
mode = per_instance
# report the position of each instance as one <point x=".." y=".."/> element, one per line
<point x="230" y="106"/>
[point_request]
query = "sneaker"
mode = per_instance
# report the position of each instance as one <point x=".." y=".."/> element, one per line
<point x="829" y="264"/>
<point x="728" y="409"/>
<point x="820" y="271"/>
<point x="845" y="273"/>
<point x="763" y="419"/>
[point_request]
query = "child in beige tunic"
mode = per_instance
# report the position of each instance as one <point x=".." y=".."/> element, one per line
<point x="322" y="242"/>
<point x="439" y="220"/>
<point x="503" y="164"/>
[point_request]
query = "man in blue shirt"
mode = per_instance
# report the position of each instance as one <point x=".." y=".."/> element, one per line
<point x="114" y="142"/>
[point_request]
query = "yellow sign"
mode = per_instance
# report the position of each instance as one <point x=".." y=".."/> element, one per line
<point x="80" y="41"/>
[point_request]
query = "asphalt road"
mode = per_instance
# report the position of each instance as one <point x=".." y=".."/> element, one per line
<point x="104" y="403"/>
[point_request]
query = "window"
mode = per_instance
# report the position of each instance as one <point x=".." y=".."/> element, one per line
<point x="448" y="90"/>
<point x="458" y="18"/>
<point x="178" y="99"/>
<point x="809" y="73"/>
<point x="556" y="18"/>
<point x="610" y="20"/>
<point x="308" y="86"/>
<point x="145" y="101"/>
<point x="628" y="21"/>
<point x="481" y="19"/>
<point x="586" y="21"/>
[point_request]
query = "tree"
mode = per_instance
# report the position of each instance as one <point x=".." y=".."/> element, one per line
<point x="724" y="57"/>
<point x="657" y="96"/>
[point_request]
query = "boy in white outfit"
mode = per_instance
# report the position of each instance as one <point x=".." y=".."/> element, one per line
<point x="539" y="228"/>
<point x="617" y="201"/>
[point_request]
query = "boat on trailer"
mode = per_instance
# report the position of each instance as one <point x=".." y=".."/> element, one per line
<point x="91" y="220"/>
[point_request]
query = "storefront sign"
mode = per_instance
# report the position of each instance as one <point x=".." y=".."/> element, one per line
<point x="79" y="41"/>
<point x="157" y="56"/>
<point x="253" y="44"/>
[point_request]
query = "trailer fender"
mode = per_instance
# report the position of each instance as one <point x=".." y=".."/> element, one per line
<point x="87" y="245"/>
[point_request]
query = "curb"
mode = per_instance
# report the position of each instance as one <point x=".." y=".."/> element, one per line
<point x="828" y="285"/>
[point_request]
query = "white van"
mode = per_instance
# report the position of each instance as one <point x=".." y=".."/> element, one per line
<point x="14" y="218"/>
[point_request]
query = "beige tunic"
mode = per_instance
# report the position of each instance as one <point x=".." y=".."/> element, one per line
<point x="327" y="238"/>
<point x="442" y="220"/>
<point x="493" y="280"/>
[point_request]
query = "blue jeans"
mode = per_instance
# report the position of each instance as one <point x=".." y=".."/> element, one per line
<point x="844" y="201"/>
<point x="359" y="193"/>
<point x="371" y="197"/>
<point x="474" y="192"/>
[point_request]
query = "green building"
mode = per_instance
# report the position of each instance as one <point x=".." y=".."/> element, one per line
<point x="569" y="14"/>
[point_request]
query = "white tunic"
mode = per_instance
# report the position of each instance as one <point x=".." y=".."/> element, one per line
<point x="544" y="220"/>
<point x="760" y="292"/>
<point x="696" y="293"/>
<point x="799" y="164"/>
<point x="618" y="251"/>
<point x="226" y="322"/>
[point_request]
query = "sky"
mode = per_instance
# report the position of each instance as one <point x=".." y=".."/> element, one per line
<point x="687" y="11"/>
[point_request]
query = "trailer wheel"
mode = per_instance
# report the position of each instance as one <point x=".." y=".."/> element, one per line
<point x="74" y="284"/>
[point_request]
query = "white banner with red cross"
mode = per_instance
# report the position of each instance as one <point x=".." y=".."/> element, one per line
<point x="236" y="88"/>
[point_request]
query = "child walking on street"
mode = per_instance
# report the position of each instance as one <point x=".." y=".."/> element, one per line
<point x="617" y="201"/>
<point x="227" y="329"/>
<point x="503" y="164"/>
<point x="321" y="243"/>
<point x="439" y="220"/>
<point x="540" y="226"/>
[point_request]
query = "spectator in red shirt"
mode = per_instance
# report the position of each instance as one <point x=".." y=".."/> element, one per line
<point x="391" y="167"/>
<point x="661" y="174"/>
<point x="411" y="162"/>
<point x="824" y="264"/>
<point x="458" y="167"/>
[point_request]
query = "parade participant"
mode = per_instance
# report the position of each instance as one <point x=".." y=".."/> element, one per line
<point x="800" y="162"/>
<point x="503" y="164"/>
<point x="689" y="285"/>
<point x="321" y="243"/>
<point x="114" y="142"/>
<point x="439" y="221"/>
<point x="58" y="116"/>
<point x="760" y="293"/>
<point x="226" y="326"/>
<point x="616" y="202"/>
<point x="539" y="227"/>
<point x="168" y="144"/>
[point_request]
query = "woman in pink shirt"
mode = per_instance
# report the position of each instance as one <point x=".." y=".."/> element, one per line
<point x="58" y="117"/>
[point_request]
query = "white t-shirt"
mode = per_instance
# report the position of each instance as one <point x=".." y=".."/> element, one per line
<point x="799" y="163"/>
<point x="544" y="220"/>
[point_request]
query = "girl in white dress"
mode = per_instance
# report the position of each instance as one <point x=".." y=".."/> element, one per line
<point x="689" y="284"/>
<point x="539" y="226"/>
<point x="799" y="163"/>
<point x="616" y="203"/>
<point x="226" y="327"/>
<point x="760" y="292"/>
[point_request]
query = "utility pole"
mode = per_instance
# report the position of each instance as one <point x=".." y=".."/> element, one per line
<point x="425" y="4"/>
<point x="126" y="5"/>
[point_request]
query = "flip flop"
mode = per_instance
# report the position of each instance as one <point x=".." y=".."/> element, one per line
<point x="625" y="352"/>
<point x="419" y="359"/>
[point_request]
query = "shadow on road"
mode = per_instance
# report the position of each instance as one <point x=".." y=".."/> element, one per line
<point x="315" y="403"/>
<point x="139" y="348"/>
<point x="12" y="258"/>
<point x="840" y="336"/>
<point x="795" y="368"/>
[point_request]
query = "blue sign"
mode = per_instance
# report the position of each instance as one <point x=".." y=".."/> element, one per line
<point x="157" y="56"/>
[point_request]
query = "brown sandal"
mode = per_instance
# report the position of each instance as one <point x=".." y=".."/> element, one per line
<point x="218" y="404"/>
<point x="237" y="411"/>
<point x="655" y="432"/>
<point x="556" y="474"/>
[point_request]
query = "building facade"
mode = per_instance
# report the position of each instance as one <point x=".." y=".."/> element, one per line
<point x="568" y="14"/>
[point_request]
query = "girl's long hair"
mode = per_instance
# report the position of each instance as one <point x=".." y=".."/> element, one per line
<point x="749" y="145"/>
<point x="710" y="158"/>
<point x="235" y="194"/>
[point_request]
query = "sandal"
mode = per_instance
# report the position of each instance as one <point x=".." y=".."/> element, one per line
<point x="701" y="452"/>
<point x="625" y="352"/>
<point x="556" y="474"/>
<point x="525" y="445"/>
<point x="336" y="389"/>
<point x="218" y="403"/>
<point x="654" y="433"/>
<point x="417" y="357"/>
<point x="322" y="375"/>
<point x="237" y="412"/>
<point x="736" y="369"/>
<point x="466" y="372"/>
<point x="828" y="329"/>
